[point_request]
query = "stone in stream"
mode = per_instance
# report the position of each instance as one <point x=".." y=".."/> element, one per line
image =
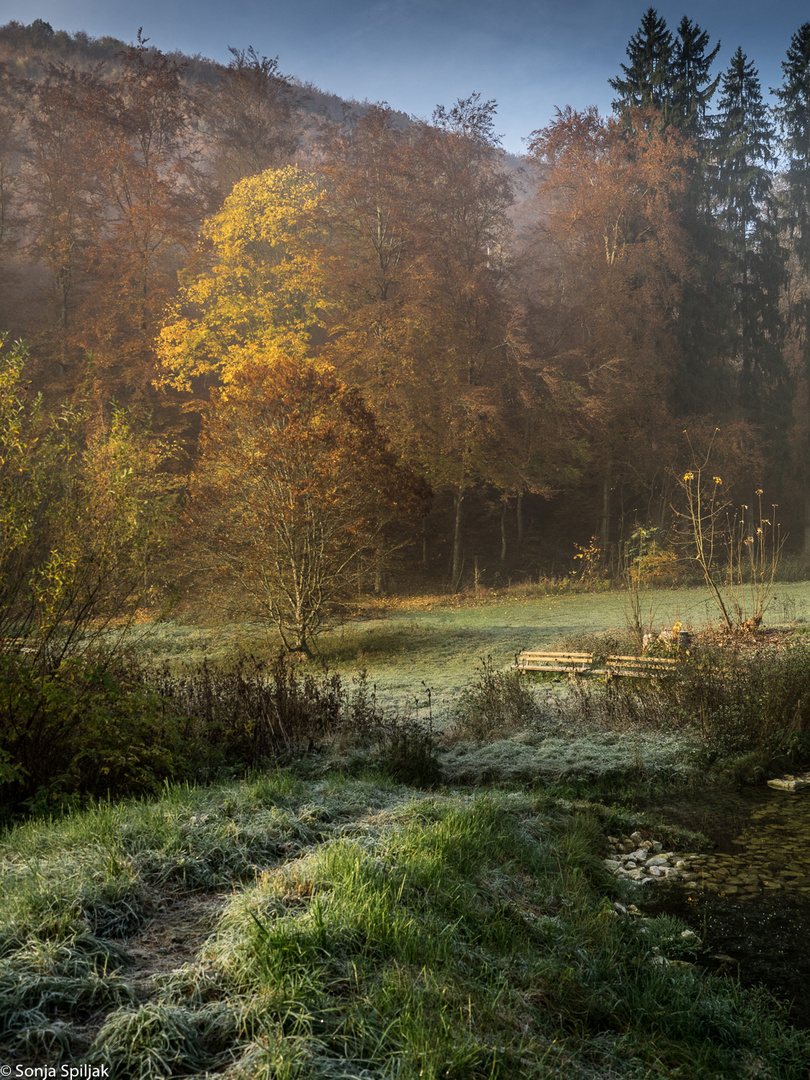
<point x="790" y="783"/>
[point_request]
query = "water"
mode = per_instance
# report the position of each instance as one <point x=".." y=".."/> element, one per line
<point x="752" y="909"/>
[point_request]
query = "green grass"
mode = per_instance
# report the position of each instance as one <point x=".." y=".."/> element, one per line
<point x="380" y="933"/>
<point x="409" y="651"/>
<point x="366" y="929"/>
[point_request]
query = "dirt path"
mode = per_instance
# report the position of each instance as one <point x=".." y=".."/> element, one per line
<point x="174" y="935"/>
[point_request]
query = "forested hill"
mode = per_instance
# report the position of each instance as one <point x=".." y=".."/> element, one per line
<point x="29" y="49"/>
<point x="549" y="360"/>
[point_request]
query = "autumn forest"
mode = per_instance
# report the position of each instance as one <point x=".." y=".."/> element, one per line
<point x="335" y="350"/>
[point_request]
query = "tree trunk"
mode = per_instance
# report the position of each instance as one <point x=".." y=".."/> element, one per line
<point x="379" y="573"/>
<point x="604" y="524"/>
<point x="519" y="517"/>
<point x="503" y="531"/>
<point x="458" y="560"/>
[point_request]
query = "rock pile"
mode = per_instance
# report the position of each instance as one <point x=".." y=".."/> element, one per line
<point x="643" y="860"/>
<point x="758" y="868"/>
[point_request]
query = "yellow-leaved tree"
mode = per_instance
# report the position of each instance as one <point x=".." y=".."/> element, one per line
<point x="259" y="293"/>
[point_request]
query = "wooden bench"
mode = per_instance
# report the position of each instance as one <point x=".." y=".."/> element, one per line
<point x="16" y="644"/>
<point x="640" y="667"/>
<point x="570" y="663"/>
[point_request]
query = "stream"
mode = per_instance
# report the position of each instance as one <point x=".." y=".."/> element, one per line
<point x="749" y="898"/>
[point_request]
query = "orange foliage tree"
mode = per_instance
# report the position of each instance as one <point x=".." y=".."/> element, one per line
<point x="62" y="211"/>
<point x="112" y="204"/>
<point x="295" y="484"/>
<point x="420" y="318"/>
<point x="141" y="123"/>
<point x="612" y="258"/>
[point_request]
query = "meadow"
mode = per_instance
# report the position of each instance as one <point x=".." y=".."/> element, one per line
<point x="409" y="646"/>
<point x="407" y="884"/>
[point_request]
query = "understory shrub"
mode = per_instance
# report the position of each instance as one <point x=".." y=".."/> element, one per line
<point x="256" y="711"/>
<point x="272" y="712"/>
<point x="83" y="730"/>
<point x="750" y="700"/>
<point x="495" y="703"/>
<point x="84" y="727"/>
<point x="738" y="701"/>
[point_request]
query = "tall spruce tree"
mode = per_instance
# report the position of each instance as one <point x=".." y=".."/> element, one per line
<point x="793" y="116"/>
<point x="742" y="186"/>
<point x="692" y="84"/>
<point x="648" y="76"/>
<point x="671" y="74"/>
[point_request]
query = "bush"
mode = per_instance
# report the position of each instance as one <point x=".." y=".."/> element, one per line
<point x="91" y="730"/>
<point x="739" y="702"/>
<point x="750" y="701"/>
<point x="86" y="729"/>
<point x="254" y="711"/>
<point x="495" y="703"/>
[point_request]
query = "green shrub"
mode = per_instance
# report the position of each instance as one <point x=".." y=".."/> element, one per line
<point x="739" y="702"/>
<point x="495" y="703"/>
<point x="84" y="729"/>
<point x="750" y="701"/>
<point x="88" y="730"/>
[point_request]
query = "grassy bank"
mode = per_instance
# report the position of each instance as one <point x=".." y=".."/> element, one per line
<point x="355" y="928"/>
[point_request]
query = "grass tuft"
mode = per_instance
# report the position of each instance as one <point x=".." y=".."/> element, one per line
<point x="156" y="1041"/>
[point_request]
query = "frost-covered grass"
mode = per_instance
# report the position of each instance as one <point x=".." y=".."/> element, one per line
<point x="377" y="933"/>
<point x="530" y="757"/>
<point x="436" y="646"/>
<point x="366" y="930"/>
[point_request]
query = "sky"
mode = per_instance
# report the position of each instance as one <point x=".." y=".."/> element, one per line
<point x="530" y="57"/>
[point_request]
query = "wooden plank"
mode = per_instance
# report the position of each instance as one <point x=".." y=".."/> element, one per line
<point x="640" y="667"/>
<point x="532" y="654"/>
<point x="572" y="663"/>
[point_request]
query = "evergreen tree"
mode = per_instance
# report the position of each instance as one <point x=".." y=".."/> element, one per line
<point x="648" y="77"/>
<point x="693" y="86"/>
<point x="793" y="115"/>
<point x="744" y="208"/>
<point x="670" y="74"/>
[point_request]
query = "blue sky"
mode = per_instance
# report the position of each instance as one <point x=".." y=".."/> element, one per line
<point x="415" y="54"/>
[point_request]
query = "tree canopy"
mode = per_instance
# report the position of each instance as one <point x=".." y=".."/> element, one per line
<point x="258" y="294"/>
